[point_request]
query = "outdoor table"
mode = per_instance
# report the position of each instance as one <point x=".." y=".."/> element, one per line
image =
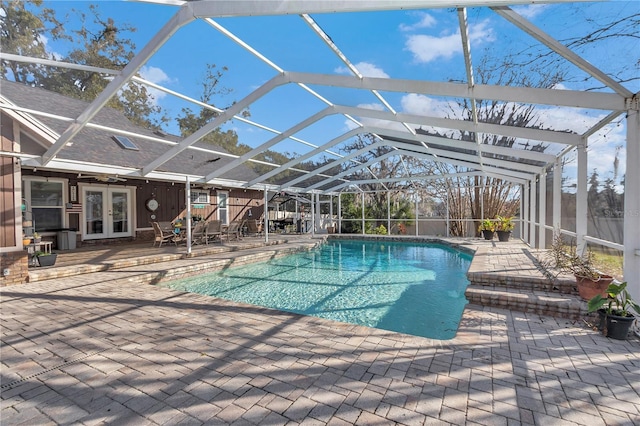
<point x="32" y="248"/>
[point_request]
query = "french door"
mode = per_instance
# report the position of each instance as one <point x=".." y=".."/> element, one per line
<point x="106" y="212"/>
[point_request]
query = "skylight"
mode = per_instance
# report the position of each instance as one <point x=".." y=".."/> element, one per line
<point x="125" y="142"/>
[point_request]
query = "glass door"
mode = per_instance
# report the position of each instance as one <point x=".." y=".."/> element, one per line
<point x="106" y="212"/>
<point x="119" y="215"/>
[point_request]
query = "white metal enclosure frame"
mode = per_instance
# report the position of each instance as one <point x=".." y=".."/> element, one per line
<point x="522" y="167"/>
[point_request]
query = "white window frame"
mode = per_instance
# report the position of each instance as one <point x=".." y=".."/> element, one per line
<point x="224" y="220"/>
<point x="200" y="197"/>
<point x="26" y="187"/>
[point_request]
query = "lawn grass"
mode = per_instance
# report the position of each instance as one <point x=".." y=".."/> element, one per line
<point x="609" y="263"/>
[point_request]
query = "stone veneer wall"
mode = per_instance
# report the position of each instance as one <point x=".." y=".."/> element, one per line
<point x="17" y="264"/>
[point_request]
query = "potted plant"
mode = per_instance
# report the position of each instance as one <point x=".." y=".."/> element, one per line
<point x="589" y="280"/>
<point x="488" y="228"/>
<point x="616" y="320"/>
<point x="46" y="259"/>
<point x="36" y="237"/>
<point x="563" y="258"/>
<point x="504" y="226"/>
<point x="26" y="240"/>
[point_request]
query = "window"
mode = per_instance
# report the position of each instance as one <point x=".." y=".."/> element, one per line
<point x="199" y="197"/>
<point x="223" y="207"/>
<point x="45" y="199"/>
<point x="125" y="142"/>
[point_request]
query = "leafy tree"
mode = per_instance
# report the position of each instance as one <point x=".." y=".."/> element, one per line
<point x="351" y="210"/>
<point x="96" y="42"/>
<point x="190" y="121"/>
<point x="24" y="33"/>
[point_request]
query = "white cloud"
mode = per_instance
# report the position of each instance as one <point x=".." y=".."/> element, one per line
<point x="367" y="69"/>
<point x="531" y="11"/>
<point x="413" y="104"/>
<point x="375" y="122"/>
<point x="427" y="48"/>
<point x="423" y="105"/>
<point x="155" y="75"/>
<point x="426" y="21"/>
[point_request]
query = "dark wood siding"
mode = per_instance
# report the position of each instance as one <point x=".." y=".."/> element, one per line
<point x="171" y="200"/>
<point x="7" y="186"/>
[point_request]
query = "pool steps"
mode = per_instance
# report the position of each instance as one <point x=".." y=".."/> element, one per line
<point x="514" y="279"/>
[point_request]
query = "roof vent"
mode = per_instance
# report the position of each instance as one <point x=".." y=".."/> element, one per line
<point x="125" y="142"/>
<point x="159" y="132"/>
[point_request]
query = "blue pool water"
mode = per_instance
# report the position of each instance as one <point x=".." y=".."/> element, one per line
<point x="410" y="288"/>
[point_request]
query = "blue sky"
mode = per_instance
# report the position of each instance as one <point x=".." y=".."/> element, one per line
<point x="421" y="45"/>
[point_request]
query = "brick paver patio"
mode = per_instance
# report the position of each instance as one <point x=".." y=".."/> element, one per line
<point x="96" y="348"/>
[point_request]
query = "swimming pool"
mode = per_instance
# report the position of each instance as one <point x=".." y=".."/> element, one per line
<point x="413" y="288"/>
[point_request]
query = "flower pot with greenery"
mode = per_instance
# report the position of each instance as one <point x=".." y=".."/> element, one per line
<point x="504" y="226"/>
<point x="589" y="280"/>
<point x="616" y="306"/>
<point x="46" y="259"/>
<point x="488" y="228"/>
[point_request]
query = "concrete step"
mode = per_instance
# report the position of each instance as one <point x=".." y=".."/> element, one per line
<point x="497" y="281"/>
<point x="493" y="269"/>
<point x="540" y="302"/>
<point x="69" y="270"/>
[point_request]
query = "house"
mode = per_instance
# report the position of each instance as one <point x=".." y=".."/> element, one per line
<point x="101" y="200"/>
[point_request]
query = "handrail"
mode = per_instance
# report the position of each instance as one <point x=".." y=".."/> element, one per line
<point x="604" y="243"/>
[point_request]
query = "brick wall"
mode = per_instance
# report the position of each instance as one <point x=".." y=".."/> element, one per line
<point x="17" y="264"/>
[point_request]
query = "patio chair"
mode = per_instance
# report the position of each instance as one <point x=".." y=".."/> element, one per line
<point x="166" y="226"/>
<point x="162" y="236"/>
<point x="233" y="229"/>
<point x="213" y="231"/>
<point x="198" y="235"/>
<point x="254" y="228"/>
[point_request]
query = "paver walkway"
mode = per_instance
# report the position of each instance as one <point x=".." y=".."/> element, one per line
<point x="98" y="349"/>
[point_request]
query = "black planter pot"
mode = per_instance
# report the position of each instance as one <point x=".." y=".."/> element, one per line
<point x="488" y="235"/>
<point x="503" y="235"/>
<point x="617" y="327"/>
<point x="602" y="318"/>
<point x="47" y="260"/>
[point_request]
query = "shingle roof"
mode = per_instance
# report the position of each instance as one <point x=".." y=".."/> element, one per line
<point x="97" y="146"/>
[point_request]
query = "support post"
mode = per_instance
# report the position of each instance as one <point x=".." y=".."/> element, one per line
<point x="581" y="199"/>
<point x="632" y="206"/>
<point x="417" y="199"/>
<point x="521" y="224"/>
<point x="482" y="186"/>
<point x="362" y="198"/>
<point x="339" y="214"/>
<point x="313" y="214"/>
<point x="266" y="215"/>
<point x="557" y="197"/>
<point x="331" y="210"/>
<point x="448" y="215"/>
<point x="532" y="212"/>
<point x="187" y="193"/>
<point x="542" y="211"/>
<point x="388" y="213"/>
<point x="525" y="208"/>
